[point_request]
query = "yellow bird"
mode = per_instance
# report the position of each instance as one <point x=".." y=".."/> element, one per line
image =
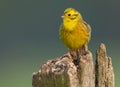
<point x="74" y="31"/>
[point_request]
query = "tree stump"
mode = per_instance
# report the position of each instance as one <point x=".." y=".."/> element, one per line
<point x="76" y="69"/>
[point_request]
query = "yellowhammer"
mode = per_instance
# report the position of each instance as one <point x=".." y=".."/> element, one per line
<point x="74" y="31"/>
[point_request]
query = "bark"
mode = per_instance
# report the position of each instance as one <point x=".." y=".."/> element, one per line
<point x="76" y="69"/>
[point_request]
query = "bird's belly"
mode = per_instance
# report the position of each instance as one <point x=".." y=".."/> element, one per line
<point x="75" y="40"/>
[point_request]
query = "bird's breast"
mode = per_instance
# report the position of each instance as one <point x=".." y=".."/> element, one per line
<point x="75" y="38"/>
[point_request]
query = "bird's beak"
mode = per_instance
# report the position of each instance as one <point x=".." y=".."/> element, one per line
<point x="62" y="16"/>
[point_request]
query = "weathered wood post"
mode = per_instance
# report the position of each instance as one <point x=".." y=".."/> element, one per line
<point x="76" y="69"/>
<point x="104" y="69"/>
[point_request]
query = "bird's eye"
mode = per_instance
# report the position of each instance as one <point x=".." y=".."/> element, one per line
<point x="69" y="14"/>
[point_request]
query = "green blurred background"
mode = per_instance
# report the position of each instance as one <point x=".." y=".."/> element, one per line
<point x="29" y="35"/>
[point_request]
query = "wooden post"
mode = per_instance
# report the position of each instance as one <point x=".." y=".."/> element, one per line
<point x="104" y="69"/>
<point x="74" y="69"/>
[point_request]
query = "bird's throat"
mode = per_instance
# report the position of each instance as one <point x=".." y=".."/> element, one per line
<point x="69" y="25"/>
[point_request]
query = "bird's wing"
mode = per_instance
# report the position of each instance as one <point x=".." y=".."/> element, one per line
<point x="88" y="27"/>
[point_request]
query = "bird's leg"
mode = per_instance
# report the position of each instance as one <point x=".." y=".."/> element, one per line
<point x="83" y="50"/>
<point x="85" y="47"/>
<point x="75" y="56"/>
<point x="73" y="53"/>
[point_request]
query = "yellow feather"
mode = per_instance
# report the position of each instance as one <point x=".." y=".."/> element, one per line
<point x="74" y="32"/>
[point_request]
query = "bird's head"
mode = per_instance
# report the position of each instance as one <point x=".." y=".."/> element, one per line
<point x="71" y="14"/>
